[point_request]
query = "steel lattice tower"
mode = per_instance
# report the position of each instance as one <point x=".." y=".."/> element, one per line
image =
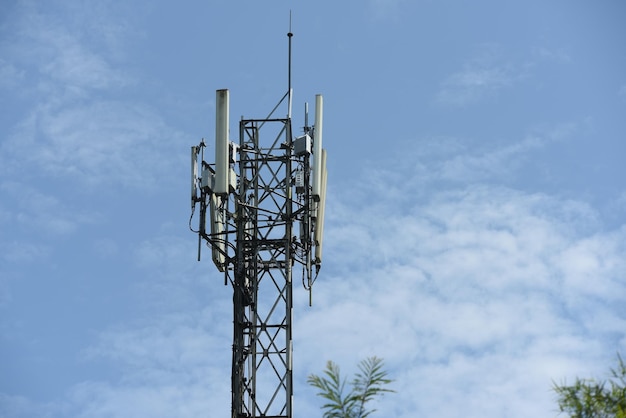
<point x="265" y="201"/>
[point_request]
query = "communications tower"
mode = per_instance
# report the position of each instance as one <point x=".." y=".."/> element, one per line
<point x="261" y="213"/>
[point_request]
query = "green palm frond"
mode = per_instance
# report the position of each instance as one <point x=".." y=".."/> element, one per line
<point x="367" y="384"/>
<point x="331" y="387"/>
<point x="588" y="398"/>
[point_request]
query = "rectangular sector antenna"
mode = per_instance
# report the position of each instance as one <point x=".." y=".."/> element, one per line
<point x="222" y="104"/>
<point x="317" y="147"/>
<point x="319" y="222"/>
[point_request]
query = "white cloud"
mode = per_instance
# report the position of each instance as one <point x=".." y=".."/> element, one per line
<point x="10" y="76"/>
<point x="385" y="9"/>
<point x="476" y="293"/>
<point x="21" y="407"/>
<point x="100" y="400"/>
<point x="66" y="60"/>
<point x="499" y="162"/>
<point x="171" y="366"/>
<point x="23" y="252"/>
<point x="473" y="84"/>
<point x="557" y="55"/>
<point x="470" y="307"/>
<point x="478" y="296"/>
<point x="483" y="76"/>
<point x="40" y="211"/>
<point x="65" y="71"/>
<point x="78" y="68"/>
<point x="97" y="143"/>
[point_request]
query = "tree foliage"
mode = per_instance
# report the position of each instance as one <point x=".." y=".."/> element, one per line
<point x="366" y="385"/>
<point x="588" y="398"/>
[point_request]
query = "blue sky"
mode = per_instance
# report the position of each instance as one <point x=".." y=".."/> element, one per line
<point x="476" y="213"/>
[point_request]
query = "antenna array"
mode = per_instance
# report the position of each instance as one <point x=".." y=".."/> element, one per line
<point x="265" y="199"/>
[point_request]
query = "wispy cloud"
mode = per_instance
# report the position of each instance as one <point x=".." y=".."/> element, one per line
<point x="65" y="60"/>
<point x="23" y="252"/>
<point x="477" y="292"/>
<point x="482" y="289"/>
<point x="558" y="55"/>
<point x="172" y="361"/>
<point x="105" y="142"/>
<point x="472" y="84"/>
<point x="478" y="295"/>
<point x="10" y="76"/>
<point x="385" y="9"/>
<point x="79" y="124"/>
<point x="444" y="162"/>
<point x="16" y="406"/>
<point x="167" y="368"/>
<point x="483" y="76"/>
<point x="500" y="163"/>
<point x="35" y="210"/>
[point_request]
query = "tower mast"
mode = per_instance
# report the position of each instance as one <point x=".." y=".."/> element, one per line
<point x="258" y="193"/>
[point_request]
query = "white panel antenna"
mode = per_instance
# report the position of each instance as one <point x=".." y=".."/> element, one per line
<point x="233" y="149"/>
<point x="319" y="222"/>
<point x="317" y="147"/>
<point x="222" y="142"/>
